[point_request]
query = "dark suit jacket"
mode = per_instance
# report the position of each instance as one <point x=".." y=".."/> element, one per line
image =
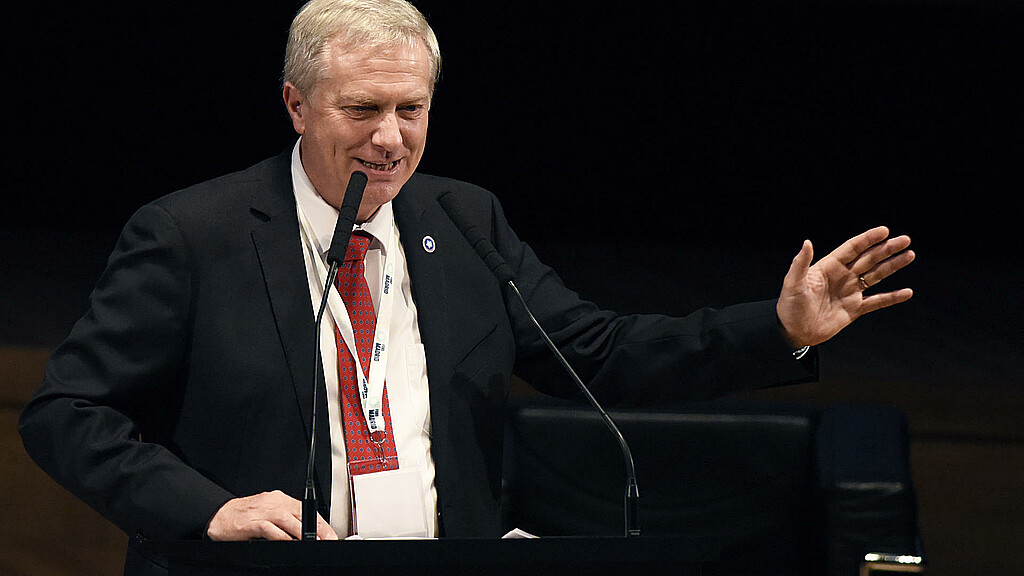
<point x="188" y="382"/>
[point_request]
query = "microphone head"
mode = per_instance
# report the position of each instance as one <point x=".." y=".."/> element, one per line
<point x="354" y="193"/>
<point x="347" y="217"/>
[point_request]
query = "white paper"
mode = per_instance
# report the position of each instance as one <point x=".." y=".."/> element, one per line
<point x="389" y="504"/>
<point x="516" y="533"/>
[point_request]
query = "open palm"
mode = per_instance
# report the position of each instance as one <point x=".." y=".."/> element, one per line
<point x="820" y="300"/>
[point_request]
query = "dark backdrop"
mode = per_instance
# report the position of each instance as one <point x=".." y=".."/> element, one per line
<point x="719" y="133"/>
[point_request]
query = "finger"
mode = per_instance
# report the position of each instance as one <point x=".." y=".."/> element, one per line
<point x="854" y="247"/>
<point x="269" y="530"/>
<point x="884" y="300"/>
<point x="278" y="515"/>
<point x="888" y="267"/>
<point x="288" y="514"/>
<point x="802" y="261"/>
<point x="324" y="531"/>
<point x="878" y="253"/>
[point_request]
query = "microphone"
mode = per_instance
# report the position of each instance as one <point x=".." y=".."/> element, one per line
<point x="346" y="217"/>
<point x="335" y="256"/>
<point x="501" y="270"/>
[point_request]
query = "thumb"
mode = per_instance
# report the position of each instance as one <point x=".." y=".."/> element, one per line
<point x="324" y="531"/>
<point x="801" y="262"/>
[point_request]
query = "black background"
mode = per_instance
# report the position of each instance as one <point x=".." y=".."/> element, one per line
<point x="717" y="134"/>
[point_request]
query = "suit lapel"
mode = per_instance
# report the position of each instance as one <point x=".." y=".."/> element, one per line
<point x="275" y="235"/>
<point x="419" y="216"/>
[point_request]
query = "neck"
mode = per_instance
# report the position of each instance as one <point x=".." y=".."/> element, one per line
<point x="361" y="218"/>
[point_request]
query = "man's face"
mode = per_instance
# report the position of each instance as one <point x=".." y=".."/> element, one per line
<point x="368" y="113"/>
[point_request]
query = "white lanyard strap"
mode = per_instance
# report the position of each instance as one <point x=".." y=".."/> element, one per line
<point x="371" y="390"/>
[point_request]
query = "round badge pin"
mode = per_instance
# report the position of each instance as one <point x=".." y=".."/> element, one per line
<point x="428" y="244"/>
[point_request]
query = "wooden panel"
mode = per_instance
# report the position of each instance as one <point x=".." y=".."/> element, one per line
<point x="47" y="531"/>
<point x="971" y="502"/>
<point x="44" y="530"/>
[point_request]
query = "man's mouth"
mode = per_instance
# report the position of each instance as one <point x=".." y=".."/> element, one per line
<point x="385" y="167"/>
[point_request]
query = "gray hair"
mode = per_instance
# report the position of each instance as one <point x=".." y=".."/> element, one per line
<point x="357" y="23"/>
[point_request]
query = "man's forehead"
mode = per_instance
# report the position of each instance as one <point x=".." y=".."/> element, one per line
<point x="363" y="73"/>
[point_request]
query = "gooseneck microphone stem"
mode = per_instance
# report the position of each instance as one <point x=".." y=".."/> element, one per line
<point x="496" y="263"/>
<point x="309" y="496"/>
<point x="632" y="499"/>
<point x="335" y="256"/>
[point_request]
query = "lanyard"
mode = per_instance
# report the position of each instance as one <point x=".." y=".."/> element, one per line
<point x="371" y="389"/>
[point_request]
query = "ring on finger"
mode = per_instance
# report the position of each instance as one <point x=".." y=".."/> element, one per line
<point x="863" y="283"/>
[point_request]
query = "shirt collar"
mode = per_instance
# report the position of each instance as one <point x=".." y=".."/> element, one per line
<point x="323" y="217"/>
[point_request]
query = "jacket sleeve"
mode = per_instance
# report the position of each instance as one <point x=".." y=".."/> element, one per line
<point x="110" y="391"/>
<point x="641" y="360"/>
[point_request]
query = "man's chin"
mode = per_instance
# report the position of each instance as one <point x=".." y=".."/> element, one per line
<point x="380" y="193"/>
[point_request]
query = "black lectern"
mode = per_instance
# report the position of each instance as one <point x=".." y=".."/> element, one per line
<point x="454" y="557"/>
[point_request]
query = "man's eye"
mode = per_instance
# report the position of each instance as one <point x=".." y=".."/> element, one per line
<point x="360" y="110"/>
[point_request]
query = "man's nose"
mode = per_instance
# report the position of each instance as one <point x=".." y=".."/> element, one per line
<point x="388" y="135"/>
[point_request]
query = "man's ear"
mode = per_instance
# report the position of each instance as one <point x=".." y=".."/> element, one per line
<point x="296" y="105"/>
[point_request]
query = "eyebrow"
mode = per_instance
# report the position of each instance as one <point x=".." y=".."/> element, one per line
<point x="357" y="98"/>
<point x="364" y="99"/>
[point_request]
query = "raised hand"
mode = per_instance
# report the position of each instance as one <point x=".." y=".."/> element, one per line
<point x="820" y="300"/>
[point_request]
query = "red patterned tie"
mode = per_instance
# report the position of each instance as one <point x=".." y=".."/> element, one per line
<point x="364" y="454"/>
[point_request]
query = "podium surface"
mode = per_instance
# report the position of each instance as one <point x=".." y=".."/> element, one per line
<point x="490" y="557"/>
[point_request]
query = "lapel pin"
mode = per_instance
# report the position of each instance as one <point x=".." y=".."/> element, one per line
<point x="428" y="244"/>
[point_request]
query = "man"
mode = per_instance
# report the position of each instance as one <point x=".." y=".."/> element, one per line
<point x="179" y="406"/>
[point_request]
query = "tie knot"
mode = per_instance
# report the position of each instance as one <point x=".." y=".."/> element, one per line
<point x="358" y="244"/>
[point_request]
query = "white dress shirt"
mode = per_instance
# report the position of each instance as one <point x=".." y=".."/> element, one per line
<point x="406" y="373"/>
